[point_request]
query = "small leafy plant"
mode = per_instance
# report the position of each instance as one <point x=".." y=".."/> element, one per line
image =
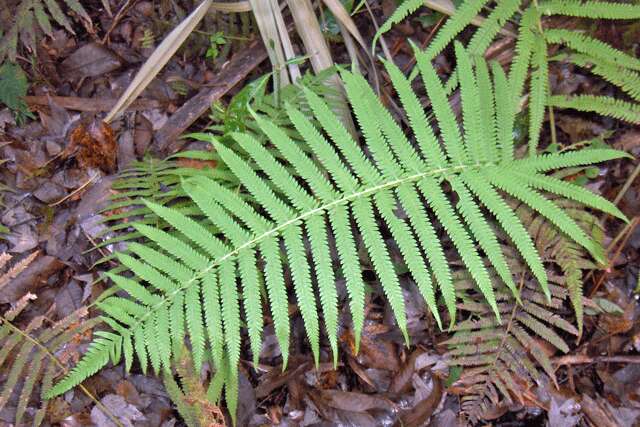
<point x="295" y="197"/>
<point x="13" y="86"/>
<point x="215" y="41"/>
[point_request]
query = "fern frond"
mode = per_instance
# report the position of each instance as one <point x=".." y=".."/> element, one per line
<point x="405" y="9"/>
<point x="539" y="93"/>
<point x="626" y="80"/>
<point x="502" y="356"/>
<point x="545" y="207"/>
<point x="31" y="16"/>
<point x="527" y="34"/>
<point x="474" y="135"/>
<point x="462" y="17"/>
<point x="488" y="110"/>
<point x="565" y="253"/>
<point x="591" y="9"/>
<point x="293" y="197"/>
<point x="570" y="191"/>
<point x="603" y="105"/>
<point x="190" y="395"/>
<point x="495" y="21"/>
<point x="505" y="113"/>
<point x="550" y="161"/>
<point x="592" y="47"/>
<point x="96" y="357"/>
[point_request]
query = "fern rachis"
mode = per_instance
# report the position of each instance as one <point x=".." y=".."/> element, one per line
<point x="339" y="190"/>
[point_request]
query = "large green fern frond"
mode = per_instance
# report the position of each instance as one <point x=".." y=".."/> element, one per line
<point x="293" y="198"/>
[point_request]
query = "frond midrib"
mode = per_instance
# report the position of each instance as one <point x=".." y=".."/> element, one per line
<point x="168" y="298"/>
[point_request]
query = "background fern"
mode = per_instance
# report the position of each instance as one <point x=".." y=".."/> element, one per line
<point x="28" y="356"/>
<point x="31" y="16"/>
<point x="534" y="39"/>
<point x="501" y="361"/>
<point x="187" y="280"/>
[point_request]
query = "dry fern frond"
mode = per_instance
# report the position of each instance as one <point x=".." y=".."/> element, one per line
<point x="571" y="260"/>
<point x="27" y="362"/>
<point x="31" y="15"/>
<point x="18" y="268"/>
<point x="501" y="360"/>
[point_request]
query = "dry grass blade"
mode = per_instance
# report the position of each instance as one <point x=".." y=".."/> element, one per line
<point x="271" y="36"/>
<point x="342" y="16"/>
<point x="316" y="46"/>
<point x="337" y="8"/>
<point x="294" y="69"/>
<point x="158" y="59"/>
<point x="309" y="30"/>
<point x="235" y="7"/>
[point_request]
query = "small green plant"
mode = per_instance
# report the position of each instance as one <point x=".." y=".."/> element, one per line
<point x="191" y="279"/>
<point x="215" y="41"/>
<point x="148" y="39"/>
<point x="13" y="87"/>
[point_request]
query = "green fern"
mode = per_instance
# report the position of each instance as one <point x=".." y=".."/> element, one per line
<point x="405" y="9"/>
<point x="159" y="180"/>
<point x="32" y="15"/>
<point x="613" y="65"/>
<point x="603" y="105"/>
<point x="189" y="278"/>
<point x="155" y="180"/>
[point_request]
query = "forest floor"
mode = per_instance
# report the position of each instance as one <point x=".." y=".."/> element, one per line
<point x="58" y="166"/>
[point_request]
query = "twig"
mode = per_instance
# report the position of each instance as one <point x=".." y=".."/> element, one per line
<point x="92" y="105"/>
<point x="117" y="19"/>
<point x="76" y="191"/>
<point x="626" y="232"/>
<point x="234" y="72"/>
<point x="627" y="184"/>
<point x="582" y="359"/>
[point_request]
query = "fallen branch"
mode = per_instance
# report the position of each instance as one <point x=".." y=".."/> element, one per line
<point x="93" y="105"/>
<point x="581" y="359"/>
<point x="235" y="71"/>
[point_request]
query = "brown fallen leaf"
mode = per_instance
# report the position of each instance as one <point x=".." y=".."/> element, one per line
<point x="91" y="60"/>
<point x="424" y="409"/>
<point x="401" y="382"/>
<point x="94" y="146"/>
<point x="355" y="402"/>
